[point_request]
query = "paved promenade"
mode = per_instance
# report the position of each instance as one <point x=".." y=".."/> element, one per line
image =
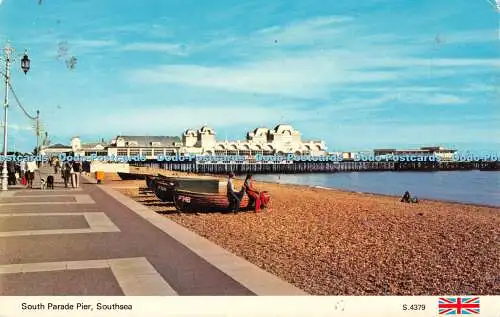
<point x="95" y="241"/>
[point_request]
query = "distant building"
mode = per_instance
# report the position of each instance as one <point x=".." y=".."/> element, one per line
<point x="283" y="139"/>
<point x="148" y="146"/>
<point x="442" y="153"/>
<point x="87" y="149"/>
<point x="76" y="147"/>
<point x="280" y="140"/>
<point x="55" y="149"/>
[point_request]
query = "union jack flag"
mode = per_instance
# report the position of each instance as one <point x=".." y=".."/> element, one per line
<point x="458" y="305"/>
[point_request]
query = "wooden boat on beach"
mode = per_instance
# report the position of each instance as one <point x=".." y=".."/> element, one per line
<point x="199" y="201"/>
<point x="204" y="184"/>
<point x="131" y="176"/>
<point x="164" y="190"/>
<point x="150" y="182"/>
<point x="164" y="186"/>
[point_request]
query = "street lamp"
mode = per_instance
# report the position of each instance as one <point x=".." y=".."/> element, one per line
<point x="25" y="62"/>
<point x="25" y="66"/>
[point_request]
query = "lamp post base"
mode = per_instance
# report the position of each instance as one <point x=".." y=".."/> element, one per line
<point x="5" y="176"/>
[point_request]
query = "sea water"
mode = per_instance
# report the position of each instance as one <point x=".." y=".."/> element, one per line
<point x="476" y="187"/>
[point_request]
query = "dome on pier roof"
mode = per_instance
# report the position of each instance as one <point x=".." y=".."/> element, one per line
<point x="206" y="129"/>
<point x="190" y="132"/>
<point x="260" y="131"/>
<point x="283" y="127"/>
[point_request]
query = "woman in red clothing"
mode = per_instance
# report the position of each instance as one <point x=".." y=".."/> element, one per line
<point x="253" y="195"/>
<point x="261" y="199"/>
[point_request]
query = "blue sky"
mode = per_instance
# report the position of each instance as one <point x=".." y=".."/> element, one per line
<point x="358" y="74"/>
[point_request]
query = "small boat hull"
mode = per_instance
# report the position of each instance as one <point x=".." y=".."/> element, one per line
<point x="164" y="190"/>
<point x="131" y="176"/>
<point x="150" y="182"/>
<point x="195" y="201"/>
<point x="194" y="184"/>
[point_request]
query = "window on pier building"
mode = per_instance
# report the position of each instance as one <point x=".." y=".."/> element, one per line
<point x="122" y="152"/>
<point x="147" y="152"/>
<point x="96" y="153"/>
<point x="157" y="152"/>
<point x="134" y="152"/>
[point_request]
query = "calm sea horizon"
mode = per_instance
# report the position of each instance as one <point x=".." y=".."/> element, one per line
<point x="474" y="187"/>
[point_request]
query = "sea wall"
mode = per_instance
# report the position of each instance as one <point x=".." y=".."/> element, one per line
<point x="109" y="167"/>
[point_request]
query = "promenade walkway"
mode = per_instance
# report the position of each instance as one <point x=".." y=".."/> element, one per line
<point x="95" y="241"/>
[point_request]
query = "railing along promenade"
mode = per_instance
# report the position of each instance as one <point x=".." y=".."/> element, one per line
<point x="314" y="167"/>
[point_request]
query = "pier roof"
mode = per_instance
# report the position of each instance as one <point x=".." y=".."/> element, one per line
<point x="147" y="140"/>
<point x="59" y="146"/>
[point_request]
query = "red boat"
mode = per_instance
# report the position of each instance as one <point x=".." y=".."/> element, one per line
<point x="195" y="201"/>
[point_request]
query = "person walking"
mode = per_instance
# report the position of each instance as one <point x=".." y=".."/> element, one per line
<point x="11" y="173"/>
<point x="57" y="164"/>
<point x="22" y="168"/>
<point x="66" y="173"/>
<point x="75" y="176"/>
<point x="31" y="168"/>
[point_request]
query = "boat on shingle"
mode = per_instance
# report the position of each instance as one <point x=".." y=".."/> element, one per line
<point x="131" y="176"/>
<point x="164" y="186"/>
<point x="203" y="202"/>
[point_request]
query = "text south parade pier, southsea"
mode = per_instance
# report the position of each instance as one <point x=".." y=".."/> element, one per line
<point x="358" y="157"/>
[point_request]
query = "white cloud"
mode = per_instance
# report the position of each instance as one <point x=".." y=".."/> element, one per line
<point x="295" y="77"/>
<point x="173" y="119"/>
<point x="312" y="31"/>
<point x="309" y="58"/>
<point x="394" y="89"/>
<point x="92" y="43"/>
<point x="17" y="127"/>
<point x="480" y="87"/>
<point x="389" y="134"/>
<point x="174" y="49"/>
<point x="431" y="98"/>
<point x="476" y="36"/>
<point x="311" y="76"/>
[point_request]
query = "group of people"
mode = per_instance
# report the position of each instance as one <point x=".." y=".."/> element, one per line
<point x="23" y="172"/>
<point x="256" y="199"/>
<point x="70" y="173"/>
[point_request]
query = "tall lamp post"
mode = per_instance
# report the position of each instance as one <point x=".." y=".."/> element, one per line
<point x="37" y="132"/>
<point x="25" y="66"/>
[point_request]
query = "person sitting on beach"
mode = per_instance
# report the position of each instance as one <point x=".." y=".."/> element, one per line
<point x="253" y="194"/>
<point x="233" y="196"/>
<point x="406" y="197"/>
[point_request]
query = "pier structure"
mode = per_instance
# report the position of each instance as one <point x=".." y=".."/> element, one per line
<point x="315" y="167"/>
